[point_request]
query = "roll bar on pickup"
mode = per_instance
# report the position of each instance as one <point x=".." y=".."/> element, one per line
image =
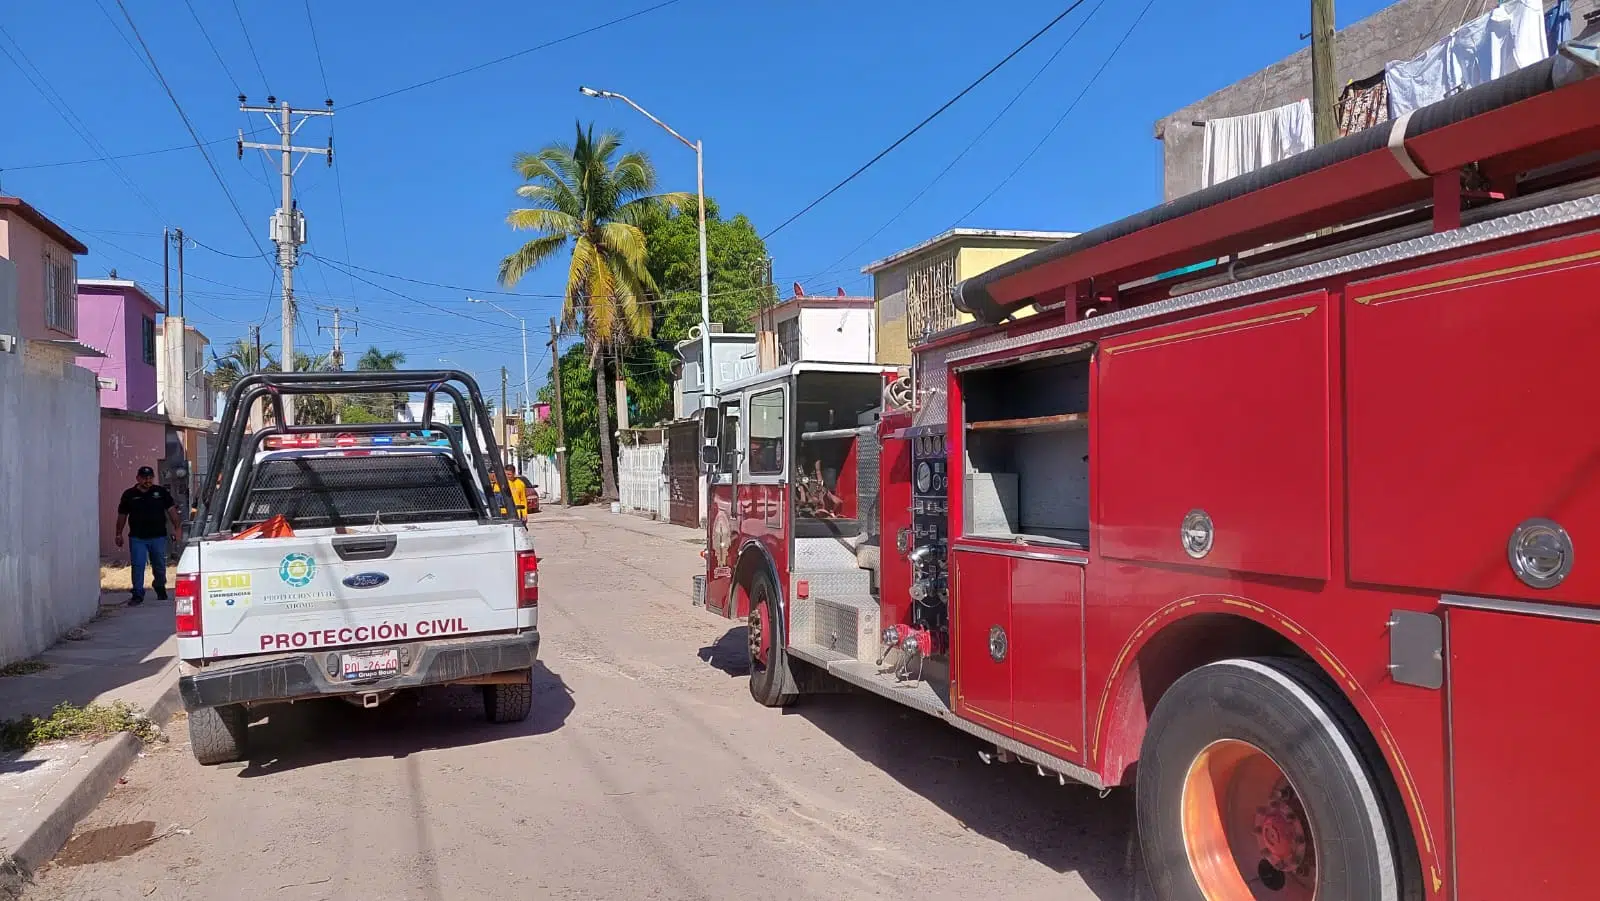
<point x="239" y="445"/>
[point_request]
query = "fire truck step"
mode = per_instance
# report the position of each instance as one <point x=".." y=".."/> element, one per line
<point x="931" y="699"/>
<point x="833" y="583"/>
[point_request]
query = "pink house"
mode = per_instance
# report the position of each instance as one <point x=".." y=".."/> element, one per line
<point x="119" y="317"/>
<point x="45" y="255"/>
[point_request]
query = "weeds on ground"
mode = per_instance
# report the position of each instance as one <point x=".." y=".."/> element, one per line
<point x="67" y="721"/>
<point x="116" y="576"/>
<point x="23" y="668"/>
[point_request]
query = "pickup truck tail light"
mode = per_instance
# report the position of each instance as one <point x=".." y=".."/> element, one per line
<point x="187" y="603"/>
<point x="527" y="579"/>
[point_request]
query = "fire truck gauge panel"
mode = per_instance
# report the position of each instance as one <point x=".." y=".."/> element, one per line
<point x="924" y="477"/>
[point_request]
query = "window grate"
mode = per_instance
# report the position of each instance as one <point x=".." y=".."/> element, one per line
<point x="930" y="308"/>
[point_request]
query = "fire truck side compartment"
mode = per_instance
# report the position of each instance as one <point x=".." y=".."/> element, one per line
<point x="1228" y="415"/>
<point x="1503" y="348"/>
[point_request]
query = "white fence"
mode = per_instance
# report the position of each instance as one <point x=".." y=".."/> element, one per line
<point x="542" y="471"/>
<point x="642" y="479"/>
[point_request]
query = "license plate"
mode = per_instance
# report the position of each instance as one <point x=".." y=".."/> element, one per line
<point x="370" y="664"/>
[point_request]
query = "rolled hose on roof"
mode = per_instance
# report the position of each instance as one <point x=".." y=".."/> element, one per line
<point x="1572" y="63"/>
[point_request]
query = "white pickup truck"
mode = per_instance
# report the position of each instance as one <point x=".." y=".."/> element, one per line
<point x="352" y="561"/>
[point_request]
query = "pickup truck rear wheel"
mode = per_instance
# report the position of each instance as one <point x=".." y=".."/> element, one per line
<point x="509" y="703"/>
<point x="769" y="656"/>
<point x="217" y="734"/>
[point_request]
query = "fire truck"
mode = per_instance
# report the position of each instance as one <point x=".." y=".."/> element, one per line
<point x="1287" y="543"/>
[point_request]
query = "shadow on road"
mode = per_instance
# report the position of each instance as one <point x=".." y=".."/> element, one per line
<point x="316" y="732"/>
<point x="1067" y="828"/>
<point x="730" y="653"/>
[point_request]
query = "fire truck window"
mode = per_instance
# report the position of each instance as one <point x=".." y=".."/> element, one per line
<point x="728" y="439"/>
<point x="766" y="433"/>
<point x="1026" y="444"/>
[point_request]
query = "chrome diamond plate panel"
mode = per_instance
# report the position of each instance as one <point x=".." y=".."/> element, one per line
<point x="867" y="451"/>
<point x="931" y="392"/>
<point x="832" y="583"/>
<point x="698" y="592"/>
<point x="822" y="555"/>
<point x="1466" y="236"/>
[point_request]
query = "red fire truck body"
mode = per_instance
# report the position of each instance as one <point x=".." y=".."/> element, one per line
<point x="1289" y="543"/>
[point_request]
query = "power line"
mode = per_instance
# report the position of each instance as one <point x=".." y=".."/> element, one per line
<point x="248" y="43"/>
<point x="222" y="253"/>
<point x="1064" y="114"/>
<point x="74" y="122"/>
<point x="834" y="266"/>
<point x="931" y="116"/>
<point x="510" y="56"/>
<point x="199" y="145"/>
<point x="212" y="44"/>
<point x="318" y="48"/>
<point x="120" y="156"/>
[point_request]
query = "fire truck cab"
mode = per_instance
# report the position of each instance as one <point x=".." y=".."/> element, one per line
<point x="793" y="490"/>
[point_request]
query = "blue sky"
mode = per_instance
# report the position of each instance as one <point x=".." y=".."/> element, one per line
<point x="789" y="97"/>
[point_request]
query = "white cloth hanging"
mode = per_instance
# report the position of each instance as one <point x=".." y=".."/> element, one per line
<point x="1240" y="144"/>
<point x="1499" y="42"/>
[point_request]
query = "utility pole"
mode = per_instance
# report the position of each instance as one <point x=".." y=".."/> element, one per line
<point x="337" y="330"/>
<point x="288" y="223"/>
<point x="255" y="362"/>
<point x="1322" y="95"/>
<point x="178" y="236"/>
<point x="505" y="419"/>
<point x="166" y="270"/>
<point x="561" y="423"/>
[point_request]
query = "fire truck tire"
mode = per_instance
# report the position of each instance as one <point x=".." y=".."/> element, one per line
<point x="508" y="703"/>
<point x="217" y="734"/>
<point x="770" y="680"/>
<point x="1255" y="781"/>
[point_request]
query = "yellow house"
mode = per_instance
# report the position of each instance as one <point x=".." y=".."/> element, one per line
<point x="911" y="289"/>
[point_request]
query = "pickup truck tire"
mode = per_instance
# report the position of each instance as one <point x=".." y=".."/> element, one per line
<point x="217" y="734"/>
<point x="509" y="703"/>
<point x="1254" y="773"/>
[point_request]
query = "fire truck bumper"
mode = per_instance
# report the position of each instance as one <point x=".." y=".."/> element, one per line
<point x="289" y="677"/>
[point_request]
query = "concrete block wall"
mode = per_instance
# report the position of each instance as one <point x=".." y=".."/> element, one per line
<point x="49" y="464"/>
<point x="1400" y="31"/>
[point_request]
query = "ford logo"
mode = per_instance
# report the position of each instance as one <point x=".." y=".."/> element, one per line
<point x="366" y="580"/>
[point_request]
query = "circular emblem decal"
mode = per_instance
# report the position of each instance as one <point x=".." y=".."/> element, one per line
<point x="997" y="643"/>
<point x="297" y="570"/>
<point x="1195" y="534"/>
<point x="722" y="538"/>
<point x="1541" y="553"/>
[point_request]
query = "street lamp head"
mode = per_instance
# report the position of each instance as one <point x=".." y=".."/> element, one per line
<point x="590" y="92"/>
<point x="473" y="300"/>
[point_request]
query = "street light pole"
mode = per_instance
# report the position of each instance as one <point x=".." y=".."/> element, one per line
<point x="527" y="396"/>
<point x="700" y="192"/>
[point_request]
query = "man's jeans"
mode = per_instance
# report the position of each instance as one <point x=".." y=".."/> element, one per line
<point x="155" y="551"/>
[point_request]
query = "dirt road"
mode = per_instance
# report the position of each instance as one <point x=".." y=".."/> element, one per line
<point x="645" y="772"/>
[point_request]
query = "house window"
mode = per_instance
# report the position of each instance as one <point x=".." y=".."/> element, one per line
<point x="789" y="340"/>
<point x="148" y="336"/>
<point x="60" y="291"/>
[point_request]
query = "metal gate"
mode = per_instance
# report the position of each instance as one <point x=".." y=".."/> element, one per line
<point x="683" y="473"/>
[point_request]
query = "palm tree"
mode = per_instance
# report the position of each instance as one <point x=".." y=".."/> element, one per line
<point x="588" y="196"/>
<point x="239" y="360"/>
<point x="375" y="360"/>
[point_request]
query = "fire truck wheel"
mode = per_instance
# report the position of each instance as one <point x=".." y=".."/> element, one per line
<point x="510" y="703"/>
<point x="1253" y="783"/>
<point x="217" y="734"/>
<point x="769" y="661"/>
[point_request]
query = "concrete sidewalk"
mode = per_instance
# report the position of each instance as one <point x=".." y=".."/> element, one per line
<point x="127" y="654"/>
<point x="601" y="513"/>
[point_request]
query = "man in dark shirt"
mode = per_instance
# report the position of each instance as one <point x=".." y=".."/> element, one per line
<point x="144" y="511"/>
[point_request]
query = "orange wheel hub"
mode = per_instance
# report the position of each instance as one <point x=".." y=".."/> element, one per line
<point x="1244" y="828"/>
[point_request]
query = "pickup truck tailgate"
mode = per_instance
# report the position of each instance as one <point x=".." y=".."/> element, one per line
<point x="266" y="595"/>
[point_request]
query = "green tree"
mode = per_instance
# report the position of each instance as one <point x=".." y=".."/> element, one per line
<point x="240" y="360"/>
<point x="590" y="196"/>
<point x="381" y="406"/>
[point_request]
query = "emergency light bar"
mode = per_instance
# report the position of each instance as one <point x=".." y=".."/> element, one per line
<point x="349" y="439"/>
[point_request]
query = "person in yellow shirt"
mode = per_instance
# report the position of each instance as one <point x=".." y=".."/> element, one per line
<point x="519" y="493"/>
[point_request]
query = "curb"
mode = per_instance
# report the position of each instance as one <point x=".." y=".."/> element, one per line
<point x="46" y="829"/>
